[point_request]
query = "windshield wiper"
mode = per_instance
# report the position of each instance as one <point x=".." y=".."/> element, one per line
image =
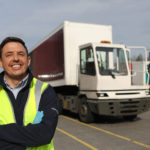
<point x="111" y="73"/>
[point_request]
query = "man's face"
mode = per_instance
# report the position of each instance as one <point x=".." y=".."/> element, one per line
<point x="14" y="60"/>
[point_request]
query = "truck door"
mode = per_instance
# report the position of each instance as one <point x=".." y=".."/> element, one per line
<point x="138" y="57"/>
<point x="87" y="69"/>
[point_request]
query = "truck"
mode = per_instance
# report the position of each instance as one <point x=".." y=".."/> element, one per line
<point x="91" y="75"/>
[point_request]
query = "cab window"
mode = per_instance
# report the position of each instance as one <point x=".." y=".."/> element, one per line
<point x="87" y="65"/>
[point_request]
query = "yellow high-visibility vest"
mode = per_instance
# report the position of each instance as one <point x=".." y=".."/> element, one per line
<point x="7" y="114"/>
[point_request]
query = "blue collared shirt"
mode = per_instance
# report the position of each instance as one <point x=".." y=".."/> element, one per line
<point x="19" y="87"/>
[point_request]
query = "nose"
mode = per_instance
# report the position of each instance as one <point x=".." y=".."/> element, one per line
<point x="15" y="57"/>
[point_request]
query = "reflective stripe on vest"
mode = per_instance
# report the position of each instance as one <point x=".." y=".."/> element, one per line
<point x="7" y="114"/>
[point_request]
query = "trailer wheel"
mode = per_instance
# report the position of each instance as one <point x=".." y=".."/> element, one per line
<point x="130" y="118"/>
<point x="85" y="114"/>
<point x="60" y="105"/>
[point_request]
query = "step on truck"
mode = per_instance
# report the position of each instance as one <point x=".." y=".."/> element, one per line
<point x="90" y="74"/>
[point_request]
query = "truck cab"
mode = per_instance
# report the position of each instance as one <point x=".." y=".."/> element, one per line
<point x="104" y="63"/>
<point x="106" y="82"/>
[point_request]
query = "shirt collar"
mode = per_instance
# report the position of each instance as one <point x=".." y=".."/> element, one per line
<point x="21" y="84"/>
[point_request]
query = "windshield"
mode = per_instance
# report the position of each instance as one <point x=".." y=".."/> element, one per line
<point x="111" y="61"/>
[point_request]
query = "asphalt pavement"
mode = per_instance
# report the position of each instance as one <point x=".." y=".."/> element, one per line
<point x="107" y="133"/>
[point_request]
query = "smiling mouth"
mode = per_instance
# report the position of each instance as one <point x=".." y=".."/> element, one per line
<point x="16" y="66"/>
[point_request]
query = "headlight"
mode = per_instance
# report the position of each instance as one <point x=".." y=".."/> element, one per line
<point x="102" y="94"/>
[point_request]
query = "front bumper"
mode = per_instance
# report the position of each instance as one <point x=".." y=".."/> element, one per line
<point x="119" y="107"/>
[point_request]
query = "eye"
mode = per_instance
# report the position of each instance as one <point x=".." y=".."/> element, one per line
<point x="8" y="54"/>
<point x="21" y="53"/>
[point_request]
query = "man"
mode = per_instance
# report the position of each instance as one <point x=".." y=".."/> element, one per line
<point x="28" y="107"/>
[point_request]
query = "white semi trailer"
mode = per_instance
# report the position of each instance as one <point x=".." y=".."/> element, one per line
<point x="89" y="73"/>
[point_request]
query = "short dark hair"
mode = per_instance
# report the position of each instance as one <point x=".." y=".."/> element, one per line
<point x="11" y="39"/>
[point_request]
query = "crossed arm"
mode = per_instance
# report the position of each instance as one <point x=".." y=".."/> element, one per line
<point x="20" y="137"/>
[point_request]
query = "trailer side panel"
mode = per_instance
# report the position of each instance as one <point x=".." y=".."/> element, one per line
<point x="51" y="50"/>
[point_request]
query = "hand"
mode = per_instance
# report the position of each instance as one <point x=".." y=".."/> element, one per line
<point x="38" y="117"/>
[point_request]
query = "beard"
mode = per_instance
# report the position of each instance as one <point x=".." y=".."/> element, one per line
<point x="19" y="76"/>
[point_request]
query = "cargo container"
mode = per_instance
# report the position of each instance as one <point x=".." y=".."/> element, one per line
<point x="89" y="73"/>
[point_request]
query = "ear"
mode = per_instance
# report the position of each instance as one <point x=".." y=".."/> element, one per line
<point x="1" y="65"/>
<point x="29" y="60"/>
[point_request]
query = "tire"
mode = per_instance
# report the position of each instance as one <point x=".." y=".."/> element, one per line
<point x="85" y="114"/>
<point x="60" y="105"/>
<point x="130" y="118"/>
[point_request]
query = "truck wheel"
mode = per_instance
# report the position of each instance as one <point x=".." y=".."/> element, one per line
<point x="130" y="118"/>
<point x="60" y="105"/>
<point x="85" y="114"/>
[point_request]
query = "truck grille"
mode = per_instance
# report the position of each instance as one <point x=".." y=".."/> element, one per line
<point x="124" y="107"/>
<point x="128" y="93"/>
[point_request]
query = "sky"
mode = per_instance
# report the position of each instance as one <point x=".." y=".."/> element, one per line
<point x="33" y="20"/>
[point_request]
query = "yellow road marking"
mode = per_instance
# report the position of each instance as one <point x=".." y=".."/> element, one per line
<point x="141" y="144"/>
<point x="108" y="132"/>
<point x="102" y="130"/>
<point x="75" y="138"/>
